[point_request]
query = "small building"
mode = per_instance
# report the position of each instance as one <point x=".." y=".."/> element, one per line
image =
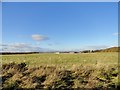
<point x="57" y="52"/>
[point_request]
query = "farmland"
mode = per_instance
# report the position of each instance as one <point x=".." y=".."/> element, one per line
<point x="61" y="71"/>
<point x="64" y="60"/>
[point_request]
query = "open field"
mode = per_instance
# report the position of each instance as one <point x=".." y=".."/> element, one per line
<point x="64" y="60"/>
<point x="61" y="71"/>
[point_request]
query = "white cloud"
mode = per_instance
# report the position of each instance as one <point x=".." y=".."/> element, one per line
<point x="38" y="37"/>
<point x="49" y="44"/>
<point x="116" y="34"/>
<point x="25" y="47"/>
<point x="20" y="47"/>
<point x="96" y="47"/>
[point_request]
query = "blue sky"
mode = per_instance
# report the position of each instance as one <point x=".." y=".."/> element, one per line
<point x="0" y="22"/>
<point x="59" y="26"/>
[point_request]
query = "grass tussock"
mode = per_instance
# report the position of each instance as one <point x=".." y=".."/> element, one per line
<point x="52" y="77"/>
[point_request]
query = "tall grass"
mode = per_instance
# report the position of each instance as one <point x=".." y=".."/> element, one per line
<point x="51" y="77"/>
<point x="61" y="71"/>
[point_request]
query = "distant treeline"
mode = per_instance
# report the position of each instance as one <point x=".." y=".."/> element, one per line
<point x="112" y="49"/>
<point x="7" y="53"/>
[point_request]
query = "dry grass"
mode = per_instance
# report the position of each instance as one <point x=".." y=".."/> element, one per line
<point x="61" y="71"/>
<point x="21" y="76"/>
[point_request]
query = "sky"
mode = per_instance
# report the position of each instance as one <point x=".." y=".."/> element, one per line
<point x="60" y="0"/>
<point x="62" y="26"/>
<point x="0" y="22"/>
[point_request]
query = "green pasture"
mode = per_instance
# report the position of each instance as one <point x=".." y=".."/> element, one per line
<point x="64" y="60"/>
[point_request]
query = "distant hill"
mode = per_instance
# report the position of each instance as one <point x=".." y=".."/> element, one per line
<point x="112" y="49"/>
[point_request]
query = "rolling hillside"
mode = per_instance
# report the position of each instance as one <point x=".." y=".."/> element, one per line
<point x="112" y="49"/>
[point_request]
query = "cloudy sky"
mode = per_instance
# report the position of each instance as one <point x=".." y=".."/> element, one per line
<point x="59" y="26"/>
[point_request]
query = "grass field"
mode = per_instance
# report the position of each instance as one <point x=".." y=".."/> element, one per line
<point x="64" y="60"/>
<point x="61" y="71"/>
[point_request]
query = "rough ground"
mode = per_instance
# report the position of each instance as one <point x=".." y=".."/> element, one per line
<point x="17" y="76"/>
